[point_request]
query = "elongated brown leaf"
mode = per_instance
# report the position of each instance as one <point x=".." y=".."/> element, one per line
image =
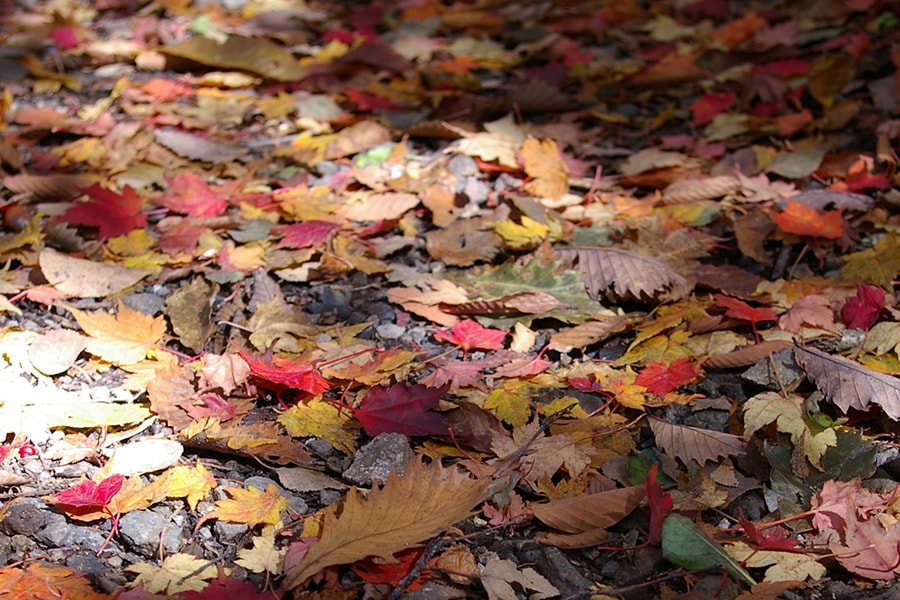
<point x="521" y="303"/>
<point x="594" y="331"/>
<point x="701" y="188"/>
<point x="624" y="275"/>
<point x="693" y="443"/>
<point x="748" y="355"/>
<point x="406" y="511"/>
<point x="585" y="518"/>
<point x="849" y="384"/>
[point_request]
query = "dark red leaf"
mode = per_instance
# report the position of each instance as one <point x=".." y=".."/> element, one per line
<point x="112" y="213"/>
<point x="402" y="408"/>
<point x="90" y="493"/>
<point x="660" y="506"/>
<point x="227" y="588"/>
<point x="775" y="541"/>
<point x="862" y="310"/>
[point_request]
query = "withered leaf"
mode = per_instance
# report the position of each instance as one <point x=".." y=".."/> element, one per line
<point x="584" y="519"/>
<point x="624" y="275"/>
<point x="849" y="384"/>
<point x="406" y="511"/>
<point x="694" y="443"/>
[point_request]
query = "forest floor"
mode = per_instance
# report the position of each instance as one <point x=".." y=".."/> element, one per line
<point x="471" y="299"/>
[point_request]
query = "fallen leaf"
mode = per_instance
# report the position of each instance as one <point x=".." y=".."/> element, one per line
<point x="177" y="573"/>
<point x="122" y="339"/>
<point x="113" y="214"/>
<point x="499" y="575"/>
<point x="86" y="278"/>
<point x="248" y="506"/>
<point x="406" y="511"/>
<point x="401" y="408"/>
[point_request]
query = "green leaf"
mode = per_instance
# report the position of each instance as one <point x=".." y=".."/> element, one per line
<point x="685" y="544"/>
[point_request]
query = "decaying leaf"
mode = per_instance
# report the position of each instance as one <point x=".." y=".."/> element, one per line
<point x="692" y="443"/>
<point x="406" y="511"/>
<point x="624" y="275"/>
<point x="499" y="575"/>
<point x="849" y="384"/>
<point x="585" y="519"/>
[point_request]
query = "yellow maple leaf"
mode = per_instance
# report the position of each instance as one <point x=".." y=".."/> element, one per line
<point x="192" y="484"/>
<point x="322" y="420"/>
<point x="789" y="415"/>
<point x="783" y="566"/>
<point x="177" y="573"/>
<point x="525" y="236"/>
<point x="251" y="507"/>
<point x="122" y="339"/>
<point x="511" y="402"/>
<point x="545" y="165"/>
<point x="263" y="557"/>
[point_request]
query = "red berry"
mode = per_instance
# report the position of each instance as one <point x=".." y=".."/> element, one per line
<point x="27" y="450"/>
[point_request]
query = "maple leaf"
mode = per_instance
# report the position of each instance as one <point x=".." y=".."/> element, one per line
<point x="803" y="220"/>
<point x="392" y="573"/>
<point x="457" y="373"/>
<point x="288" y="373"/>
<point x="251" y="507"/>
<point x="811" y="310"/>
<point x="89" y="494"/>
<point x="661" y="378"/>
<point x="469" y="334"/>
<point x="738" y="309"/>
<point x="308" y="234"/>
<point x="408" y="510"/>
<point x="401" y="408"/>
<point x="40" y="581"/>
<point x="782" y="566"/>
<point x="263" y="557"/>
<point x="192" y="484"/>
<point x="112" y="213"/>
<point x="178" y="573"/>
<point x="122" y="339"/>
<point x="862" y="310"/>
<point x="499" y="575"/>
<point x="191" y="195"/>
<point x="773" y="541"/>
<point x="789" y="417"/>
<point x="323" y="420"/>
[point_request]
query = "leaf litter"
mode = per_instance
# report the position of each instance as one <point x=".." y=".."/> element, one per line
<point x="547" y="264"/>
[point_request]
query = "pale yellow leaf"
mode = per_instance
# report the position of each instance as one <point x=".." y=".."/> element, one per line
<point x="178" y="573"/>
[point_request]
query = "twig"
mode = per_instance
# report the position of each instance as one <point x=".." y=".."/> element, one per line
<point x="433" y="547"/>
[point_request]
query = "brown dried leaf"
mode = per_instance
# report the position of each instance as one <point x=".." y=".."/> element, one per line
<point x="592" y="332"/>
<point x="624" y="275"/>
<point x="693" y="443"/>
<point x="849" y="384"/>
<point x="699" y="189"/>
<point x="511" y="305"/>
<point x="406" y="511"/>
<point x="464" y="243"/>
<point x="58" y="186"/>
<point x="585" y="518"/>
<point x="746" y="356"/>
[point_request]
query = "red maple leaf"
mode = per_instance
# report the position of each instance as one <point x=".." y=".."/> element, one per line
<point x="660" y="506"/>
<point x="775" y="541"/>
<point x="738" y="309"/>
<point x="285" y="373"/>
<point x="391" y="573"/>
<point x="862" y="310"/>
<point x="90" y="493"/>
<point x="661" y="378"/>
<point x="228" y="588"/>
<point x="800" y="219"/>
<point x="308" y="234"/>
<point x="183" y="237"/>
<point x="191" y="195"/>
<point x="587" y="384"/>
<point x="214" y="405"/>
<point x="114" y="214"/>
<point x="706" y="107"/>
<point x="468" y="334"/>
<point x="402" y="408"/>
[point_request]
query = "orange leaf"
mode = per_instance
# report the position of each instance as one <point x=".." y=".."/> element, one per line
<point x="122" y="339"/>
<point x="39" y="581"/>
<point x="804" y="220"/>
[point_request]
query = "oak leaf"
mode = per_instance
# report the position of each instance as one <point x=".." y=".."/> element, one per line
<point x="498" y="576"/>
<point x="122" y="339"/>
<point x="408" y="510"/>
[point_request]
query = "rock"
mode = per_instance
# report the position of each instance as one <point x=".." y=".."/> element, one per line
<point x="229" y="532"/>
<point x="26" y="517"/>
<point x="141" y="530"/>
<point x="553" y="565"/>
<point x="787" y="372"/>
<point x="375" y="461"/>
<point x="56" y="531"/>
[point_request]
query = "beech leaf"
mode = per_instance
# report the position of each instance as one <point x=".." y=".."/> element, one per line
<point x="408" y="510"/>
<point x="693" y="443"/>
<point x="849" y="384"/>
<point x="584" y="519"/>
<point x="623" y="275"/>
